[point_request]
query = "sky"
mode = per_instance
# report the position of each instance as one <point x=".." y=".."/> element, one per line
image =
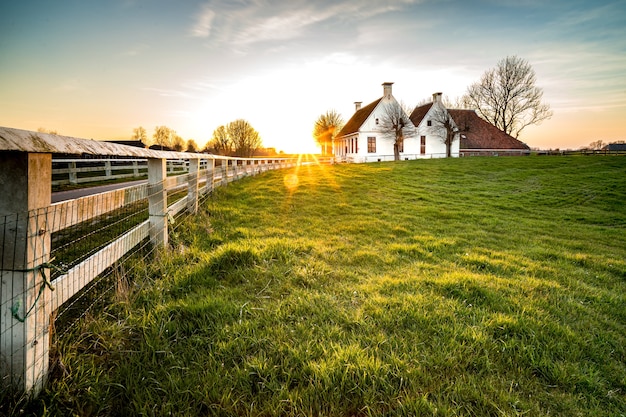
<point x="99" y="69"/>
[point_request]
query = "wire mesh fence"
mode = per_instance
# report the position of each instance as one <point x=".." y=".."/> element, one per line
<point x="60" y="262"/>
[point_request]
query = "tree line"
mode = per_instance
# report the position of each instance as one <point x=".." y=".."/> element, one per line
<point x="505" y="96"/>
<point x="237" y="138"/>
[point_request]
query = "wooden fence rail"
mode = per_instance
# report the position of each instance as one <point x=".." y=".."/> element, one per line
<point x="79" y="171"/>
<point x="28" y="297"/>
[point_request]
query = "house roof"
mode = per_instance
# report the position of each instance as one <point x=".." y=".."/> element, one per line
<point x="477" y="133"/>
<point x="358" y="118"/>
<point x="419" y="113"/>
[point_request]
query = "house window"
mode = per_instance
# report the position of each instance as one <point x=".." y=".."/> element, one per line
<point x="429" y="123"/>
<point x="371" y="145"/>
<point x="423" y="145"/>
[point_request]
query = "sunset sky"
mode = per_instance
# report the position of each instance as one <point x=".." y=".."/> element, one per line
<point x="98" y="69"/>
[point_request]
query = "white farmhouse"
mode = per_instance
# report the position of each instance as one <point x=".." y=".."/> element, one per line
<point x="430" y="120"/>
<point x="363" y="138"/>
<point x="432" y="131"/>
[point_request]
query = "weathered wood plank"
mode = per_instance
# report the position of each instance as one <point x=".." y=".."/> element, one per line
<point x="65" y="214"/>
<point x="66" y="286"/>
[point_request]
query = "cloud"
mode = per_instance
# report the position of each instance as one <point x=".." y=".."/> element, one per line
<point x="256" y="21"/>
<point x="204" y="23"/>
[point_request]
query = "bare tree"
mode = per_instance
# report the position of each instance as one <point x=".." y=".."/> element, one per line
<point x="507" y="97"/>
<point x="244" y="138"/>
<point x="44" y="130"/>
<point x="220" y="142"/>
<point x="394" y="124"/>
<point x="325" y="129"/>
<point x="139" y="133"/>
<point x="178" y="143"/>
<point x="192" y="146"/>
<point x="597" y="144"/>
<point x="444" y="127"/>
<point x="163" y="136"/>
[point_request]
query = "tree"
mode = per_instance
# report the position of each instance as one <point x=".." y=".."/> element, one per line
<point x="244" y="138"/>
<point x="507" y="96"/>
<point x="325" y="129"/>
<point x="597" y="145"/>
<point x="443" y="126"/>
<point x="192" y="146"/>
<point x="220" y="143"/>
<point x="139" y="133"/>
<point x="394" y="124"/>
<point x="178" y="143"/>
<point x="163" y="136"/>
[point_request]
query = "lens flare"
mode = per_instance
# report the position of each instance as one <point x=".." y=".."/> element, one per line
<point x="291" y="181"/>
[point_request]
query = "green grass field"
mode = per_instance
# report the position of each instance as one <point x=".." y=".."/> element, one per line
<point x="462" y="287"/>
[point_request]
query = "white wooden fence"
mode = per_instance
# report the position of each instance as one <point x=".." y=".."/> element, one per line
<point x="79" y="171"/>
<point x="28" y="297"/>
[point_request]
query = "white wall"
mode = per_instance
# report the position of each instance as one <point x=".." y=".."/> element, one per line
<point x="435" y="148"/>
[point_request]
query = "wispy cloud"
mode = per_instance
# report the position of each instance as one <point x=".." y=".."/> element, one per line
<point x="268" y="20"/>
<point x="204" y="23"/>
<point x="164" y="92"/>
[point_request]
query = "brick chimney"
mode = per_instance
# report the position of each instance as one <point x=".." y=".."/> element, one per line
<point x="437" y="97"/>
<point x="357" y="105"/>
<point x="387" y="89"/>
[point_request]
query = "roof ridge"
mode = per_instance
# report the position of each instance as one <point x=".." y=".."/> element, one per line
<point x="358" y="118"/>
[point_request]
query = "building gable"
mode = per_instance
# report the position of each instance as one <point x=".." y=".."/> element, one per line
<point x="419" y="113"/>
<point x="358" y="118"/>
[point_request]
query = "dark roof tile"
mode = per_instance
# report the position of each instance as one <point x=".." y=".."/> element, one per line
<point x="477" y="133"/>
<point x="419" y="113"/>
<point x="358" y="118"/>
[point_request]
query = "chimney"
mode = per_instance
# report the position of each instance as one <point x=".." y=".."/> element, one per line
<point x="387" y="89"/>
<point x="357" y="105"/>
<point x="437" y="97"/>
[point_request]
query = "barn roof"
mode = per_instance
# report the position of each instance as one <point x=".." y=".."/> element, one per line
<point x="477" y="133"/>
<point x="615" y="147"/>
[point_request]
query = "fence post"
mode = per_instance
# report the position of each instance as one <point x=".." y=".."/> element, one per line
<point x="73" y="176"/>
<point x="157" y="201"/>
<point x="107" y="169"/>
<point x="25" y="288"/>
<point x="192" y="188"/>
<point x="210" y="175"/>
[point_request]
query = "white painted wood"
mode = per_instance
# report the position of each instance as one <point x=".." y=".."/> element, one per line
<point x="192" y="187"/>
<point x="69" y="213"/>
<point x="24" y="295"/>
<point x="157" y="202"/>
<point x="69" y="284"/>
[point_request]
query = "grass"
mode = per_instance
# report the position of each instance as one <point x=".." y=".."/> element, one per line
<point x="464" y="287"/>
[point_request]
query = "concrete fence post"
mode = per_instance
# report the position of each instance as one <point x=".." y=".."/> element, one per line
<point x="25" y="277"/>
<point x="157" y="201"/>
<point x="192" y="188"/>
